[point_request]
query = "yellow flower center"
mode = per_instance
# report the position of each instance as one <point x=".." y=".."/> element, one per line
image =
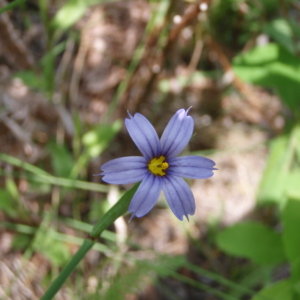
<point x="158" y="166"/>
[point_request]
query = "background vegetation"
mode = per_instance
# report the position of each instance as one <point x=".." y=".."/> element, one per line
<point x="70" y="70"/>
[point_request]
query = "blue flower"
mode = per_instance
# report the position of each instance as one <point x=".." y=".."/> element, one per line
<point x="159" y="168"/>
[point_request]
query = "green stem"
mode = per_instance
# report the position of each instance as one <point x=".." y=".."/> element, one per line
<point x="68" y="269"/>
<point x="116" y="211"/>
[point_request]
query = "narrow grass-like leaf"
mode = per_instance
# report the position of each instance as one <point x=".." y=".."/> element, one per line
<point x="11" y="5"/>
<point x="22" y="164"/>
<point x="291" y="236"/>
<point x="57" y="236"/>
<point x="219" y="278"/>
<point x="108" y="235"/>
<point x="137" y="276"/>
<point x="39" y="175"/>
<point x="115" y="212"/>
<point x="202" y="287"/>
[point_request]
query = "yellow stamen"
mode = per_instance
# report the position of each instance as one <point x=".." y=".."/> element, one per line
<point x="158" y="166"/>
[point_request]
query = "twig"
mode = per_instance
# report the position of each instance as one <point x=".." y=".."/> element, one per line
<point x="189" y="15"/>
<point x="11" y="42"/>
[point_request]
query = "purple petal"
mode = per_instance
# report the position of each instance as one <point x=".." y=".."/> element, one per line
<point x="144" y="135"/>
<point x="179" y="196"/>
<point x="196" y="167"/>
<point x="146" y="196"/>
<point x="124" y="163"/>
<point x="125" y="177"/>
<point x="124" y="170"/>
<point x="177" y="134"/>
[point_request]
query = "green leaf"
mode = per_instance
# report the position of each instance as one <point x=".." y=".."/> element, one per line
<point x="270" y="6"/>
<point x="12" y="188"/>
<point x="100" y="137"/>
<point x="281" y="31"/>
<point x="56" y="251"/>
<point x="295" y="273"/>
<point x="291" y="235"/>
<point x="296" y="291"/>
<point x="11" y="5"/>
<point x="272" y="184"/>
<point x="281" y="290"/>
<point x="21" y="241"/>
<point x="6" y="203"/>
<point x="69" y="14"/>
<point x="62" y="161"/>
<point x="31" y="79"/>
<point x="254" y="241"/>
<point x="274" y="67"/>
<point x="282" y="173"/>
<point x="291" y="182"/>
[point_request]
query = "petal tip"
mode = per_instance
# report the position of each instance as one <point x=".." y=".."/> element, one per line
<point x="131" y="217"/>
<point x="129" y="114"/>
<point x="100" y="174"/>
<point x="187" y="111"/>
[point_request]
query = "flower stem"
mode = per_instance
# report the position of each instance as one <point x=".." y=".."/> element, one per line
<point x="115" y="212"/>
<point x="68" y="270"/>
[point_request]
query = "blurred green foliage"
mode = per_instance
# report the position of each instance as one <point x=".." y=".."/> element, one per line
<point x="62" y="161"/>
<point x="262" y="245"/>
<point x="282" y="172"/>
<point x="285" y="33"/>
<point x="56" y="251"/>
<point x="69" y="13"/>
<point x="271" y="66"/>
<point x="254" y="241"/>
<point x="282" y="290"/>
<point x="99" y="138"/>
<point x="6" y="203"/>
<point x="276" y="66"/>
